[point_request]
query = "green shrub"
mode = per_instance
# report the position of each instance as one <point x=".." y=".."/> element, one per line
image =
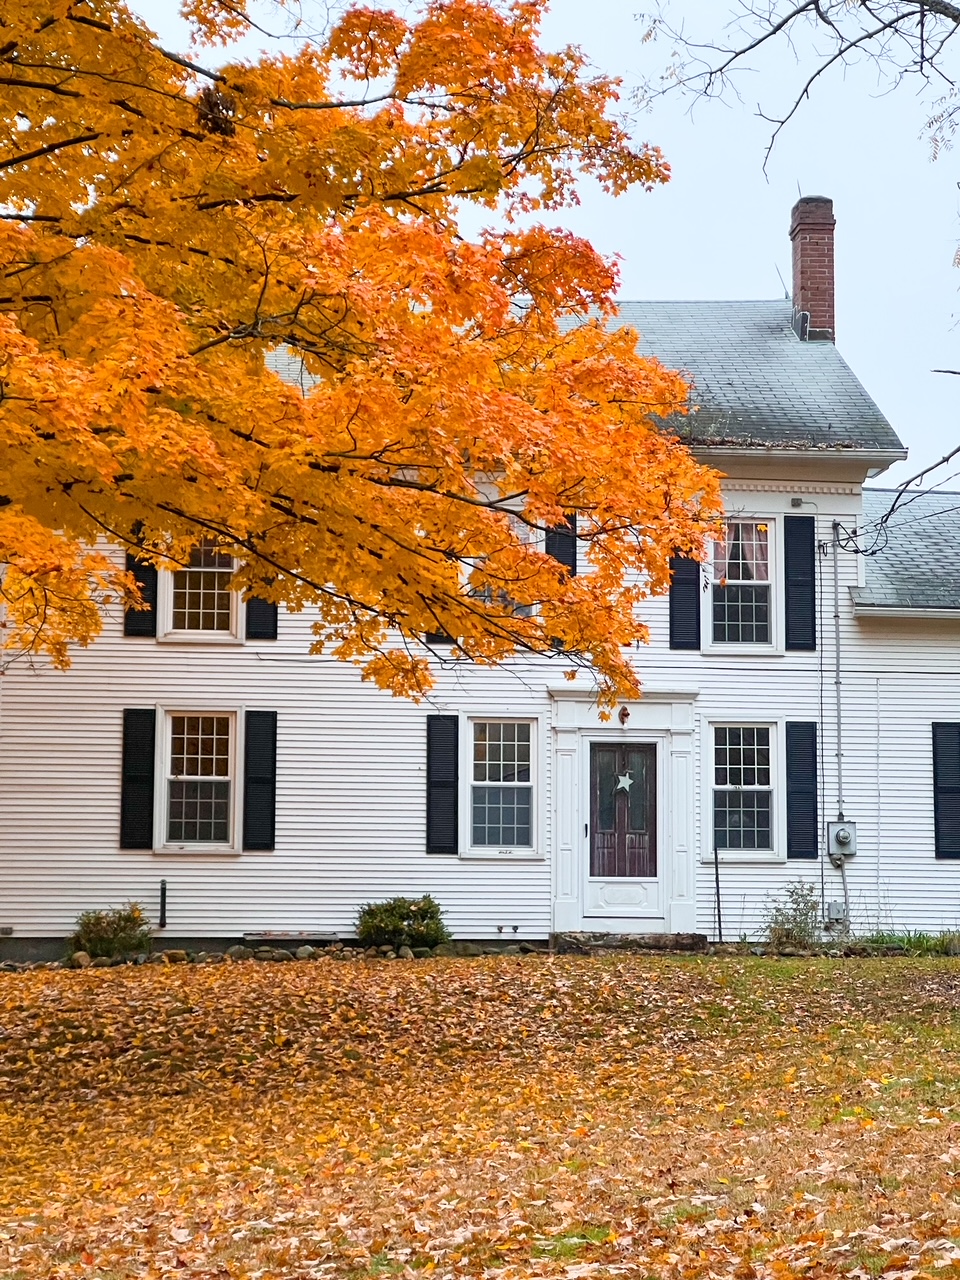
<point x="794" y="920"/>
<point x="119" y="931"/>
<point x="402" y="922"/>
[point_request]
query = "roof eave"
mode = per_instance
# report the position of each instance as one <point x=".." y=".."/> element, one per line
<point x="875" y="461"/>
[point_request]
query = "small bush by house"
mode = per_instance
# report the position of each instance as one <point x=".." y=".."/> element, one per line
<point x="402" y="922"/>
<point x="118" y="931"/>
<point x="795" y="919"/>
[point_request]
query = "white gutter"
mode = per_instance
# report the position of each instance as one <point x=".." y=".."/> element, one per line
<point x="891" y="611"/>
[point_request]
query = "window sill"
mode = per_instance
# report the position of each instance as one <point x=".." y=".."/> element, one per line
<point x="199" y="637"/>
<point x="743" y="651"/>
<point x="197" y="850"/>
<point x="495" y="855"/>
<point x="745" y="856"/>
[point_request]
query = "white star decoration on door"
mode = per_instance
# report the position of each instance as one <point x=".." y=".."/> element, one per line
<point x="624" y="782"/>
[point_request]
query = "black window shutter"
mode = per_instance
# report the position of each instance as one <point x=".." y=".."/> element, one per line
<point x="803" y="833"/>
<point x="684" y="603"/>
<point x="137" y="779"/>
<point x="260" y="780"/>
<point x="261" y="619"/>
<point x="442" y="734"/>
<point x="561" y="543"/>
<point x="142" y="622"/>
<point x="799" y="558"/>
<point x="946" y="790"/>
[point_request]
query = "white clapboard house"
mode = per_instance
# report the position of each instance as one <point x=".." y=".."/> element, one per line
<point x="793" y="681"/>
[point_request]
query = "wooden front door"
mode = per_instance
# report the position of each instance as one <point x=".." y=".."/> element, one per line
<point x="622" y="875"/>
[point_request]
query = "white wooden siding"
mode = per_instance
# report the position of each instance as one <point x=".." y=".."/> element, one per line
<point x="351" y="772"/>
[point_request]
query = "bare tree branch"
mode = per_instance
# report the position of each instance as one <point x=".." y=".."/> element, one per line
<point x="900" y="38"/>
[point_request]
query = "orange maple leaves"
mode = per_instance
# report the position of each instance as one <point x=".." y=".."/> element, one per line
<point x="179" y="233"/>
<point x="499" y="1119"/>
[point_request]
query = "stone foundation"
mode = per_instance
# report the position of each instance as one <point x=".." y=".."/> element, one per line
<point x="582" y="944"/>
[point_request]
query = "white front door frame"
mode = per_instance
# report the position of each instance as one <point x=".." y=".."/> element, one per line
<point x="665" y="717"/>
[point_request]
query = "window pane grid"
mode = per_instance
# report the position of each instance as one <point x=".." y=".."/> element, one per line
<point x="501" y="813"/>
<point x="501" y="752"/>
<point x="743" y="795"/>
<point x="741" y="820"/>
<point x="198" y="788"/>
<point x="742" y="757"/>
<point x="741" y="615"/>
<point x="201" y="592"/>
<point x="741" y="591"/>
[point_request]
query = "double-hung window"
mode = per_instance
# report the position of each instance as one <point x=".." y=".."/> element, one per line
<point x="741" y="605"/>
<point x="501" y="791"/>
<point x="498" y="596"/>
<point x="743" y="812"/>
<point x="201" y="599"/>
<point x="197" y="603"/>
<point x="200" y="780"/>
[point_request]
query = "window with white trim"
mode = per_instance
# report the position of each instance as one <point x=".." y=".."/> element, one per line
<point x="740" y="601"/>
<point x="501" y="791"/>
<point x="202" y="600"/>
<point x="743" y="811"/>
<point x="200" y="783"/>
<point x="489" y="592"/>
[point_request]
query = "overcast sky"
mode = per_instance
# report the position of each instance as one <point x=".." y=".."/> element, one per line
<point x="719" y="229"/>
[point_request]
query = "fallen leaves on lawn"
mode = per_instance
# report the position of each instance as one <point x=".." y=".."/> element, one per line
<point x="498" y="1118"/>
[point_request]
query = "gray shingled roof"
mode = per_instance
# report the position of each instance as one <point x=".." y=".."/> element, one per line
<point x="919" y="567"/>
<point x="756" y="383"/>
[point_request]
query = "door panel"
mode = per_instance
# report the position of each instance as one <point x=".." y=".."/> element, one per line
<point x="622" y="874"/>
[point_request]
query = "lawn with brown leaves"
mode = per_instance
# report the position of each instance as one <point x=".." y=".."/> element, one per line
<point x="498" y="1118"/>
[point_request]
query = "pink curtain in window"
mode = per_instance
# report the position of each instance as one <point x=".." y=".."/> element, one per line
<point x="744" y="554"/>
<point x="754" y="538"/>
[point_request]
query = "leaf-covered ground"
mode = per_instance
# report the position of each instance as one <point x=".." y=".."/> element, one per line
<point x="503" y="1117"/>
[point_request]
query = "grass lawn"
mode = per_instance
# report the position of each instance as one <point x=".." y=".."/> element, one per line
<point x="497" y="1118"/>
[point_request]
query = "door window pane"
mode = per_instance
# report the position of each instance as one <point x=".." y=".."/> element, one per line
<point x="637" y="806"/>
<point x="605" y="784"/>
<point x="623" y="835"/>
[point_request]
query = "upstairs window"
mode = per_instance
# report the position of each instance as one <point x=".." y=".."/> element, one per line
<point x="741" y="585"/>
<point x="499" y="597"/>
<point x="742" y="788"/>
<point x="202" y="599"/>
<point x="501" y="801"/>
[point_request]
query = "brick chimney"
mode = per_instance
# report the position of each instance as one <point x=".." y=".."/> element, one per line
<point x="811" y="231"/>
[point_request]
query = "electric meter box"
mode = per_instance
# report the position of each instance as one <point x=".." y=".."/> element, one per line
<point x="841" y="839"/>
